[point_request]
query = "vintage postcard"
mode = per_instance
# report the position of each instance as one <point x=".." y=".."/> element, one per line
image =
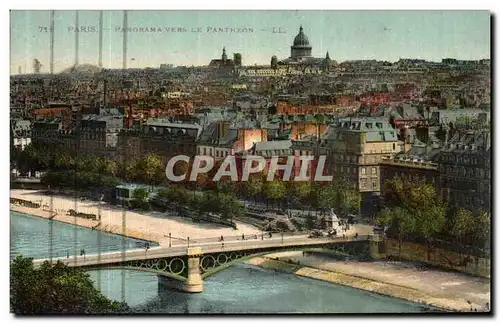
<point x="243" y="162"/>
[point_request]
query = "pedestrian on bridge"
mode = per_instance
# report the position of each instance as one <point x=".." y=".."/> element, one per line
<point x="242" y="236"/>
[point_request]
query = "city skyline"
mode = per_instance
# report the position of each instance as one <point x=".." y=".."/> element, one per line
<point x="199" y="36"/>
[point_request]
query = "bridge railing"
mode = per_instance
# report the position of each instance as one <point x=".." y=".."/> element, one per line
<point x="246" y="237"/>
<point x="266" y="236"/>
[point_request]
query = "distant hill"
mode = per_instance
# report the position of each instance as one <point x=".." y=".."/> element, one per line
<point x="82" y="68"/>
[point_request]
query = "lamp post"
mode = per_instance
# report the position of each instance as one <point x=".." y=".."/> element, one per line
<point x="169" y="239"/>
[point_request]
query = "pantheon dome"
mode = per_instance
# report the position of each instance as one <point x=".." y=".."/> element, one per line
<point x="301" y="55"/>
<point x="301" y="47"/>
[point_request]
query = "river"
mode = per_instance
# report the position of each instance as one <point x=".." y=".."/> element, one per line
<point x="241" y="288"/>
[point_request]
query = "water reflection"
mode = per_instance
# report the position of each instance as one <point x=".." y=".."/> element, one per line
<point x="249" y="289"/>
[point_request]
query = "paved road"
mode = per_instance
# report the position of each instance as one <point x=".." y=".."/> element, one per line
<point x="208" y="247"/>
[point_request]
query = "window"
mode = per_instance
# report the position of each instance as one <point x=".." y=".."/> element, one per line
<point x="393" y="146"/>
<point x="374" y="170"/>
<point x="363" y="183"/>
<point x="363" y="171"/>
<point x="374" y="183"/>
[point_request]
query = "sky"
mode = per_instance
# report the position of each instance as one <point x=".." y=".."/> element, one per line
<point x="346" y="35"/>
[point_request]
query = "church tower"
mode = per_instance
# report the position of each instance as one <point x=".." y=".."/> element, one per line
<point x="224" y="55"/>
<point x="327" y="62"/>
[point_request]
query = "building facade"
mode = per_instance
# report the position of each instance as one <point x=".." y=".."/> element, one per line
<point x="355" y="147"/>
<point x="465" y="171"/>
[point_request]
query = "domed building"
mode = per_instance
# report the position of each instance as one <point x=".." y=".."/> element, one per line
<point x="300" y="62"/>
<point x="301" y="53"/>
<point x="301" y="47"/>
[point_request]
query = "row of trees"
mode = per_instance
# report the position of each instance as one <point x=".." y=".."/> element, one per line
<point x="339" y="195"/>
<point x="91" y="171"/>
<point x="413" y="210"/>
<point x="148" y="170"/>
<point x="55" y="289"/>
<point x="217" y="201"/>
<point x="79" y="180"/>
<point x="30" y="159"/>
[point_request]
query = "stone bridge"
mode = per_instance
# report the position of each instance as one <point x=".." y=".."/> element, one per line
<point x="185" y="267"/>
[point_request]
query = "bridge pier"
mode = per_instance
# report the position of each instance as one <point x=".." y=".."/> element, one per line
<point x="377" y="248"/>
<point x="194" y="282"/>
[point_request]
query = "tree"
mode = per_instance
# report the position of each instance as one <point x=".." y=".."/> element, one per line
<point x="411" y="195"/>
<point x="399" y="220"/>
<point x="176" y="194"/>
<point x="430" y="221"/>
<point x="224" y="186"/>
<point x="55" y="289"/>
<point x="129" y="169"/>
<point x="462" y="225"/>
<point x="88" y="163"/>
<point x="482" y="230"/>
<point x="30" y="159"/>
<point x="109" y="167"/>
<point x="252" y="187"/>
<point x="347" y="199"/>
<point x="327" y="196"/>
<point x="299" y="190"/>
<point x="151" y="170"/>
<point x="413" y="208"/>
<point x="229" y="206"/>
<point x="274" y="62"/>
<point x="319" y="119"/>
<point x="140" y="194"/>
<point x="274" y="190"/>
<point x="63" y="161"/>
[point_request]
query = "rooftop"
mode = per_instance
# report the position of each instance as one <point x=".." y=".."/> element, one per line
<point x="376" y="129"/>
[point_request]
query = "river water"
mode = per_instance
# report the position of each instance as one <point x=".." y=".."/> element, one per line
<point x="239" y="289"/>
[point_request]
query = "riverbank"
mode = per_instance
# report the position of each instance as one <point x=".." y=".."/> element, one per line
<point x="150" y="226"/>
<point x="448" y="292"/>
